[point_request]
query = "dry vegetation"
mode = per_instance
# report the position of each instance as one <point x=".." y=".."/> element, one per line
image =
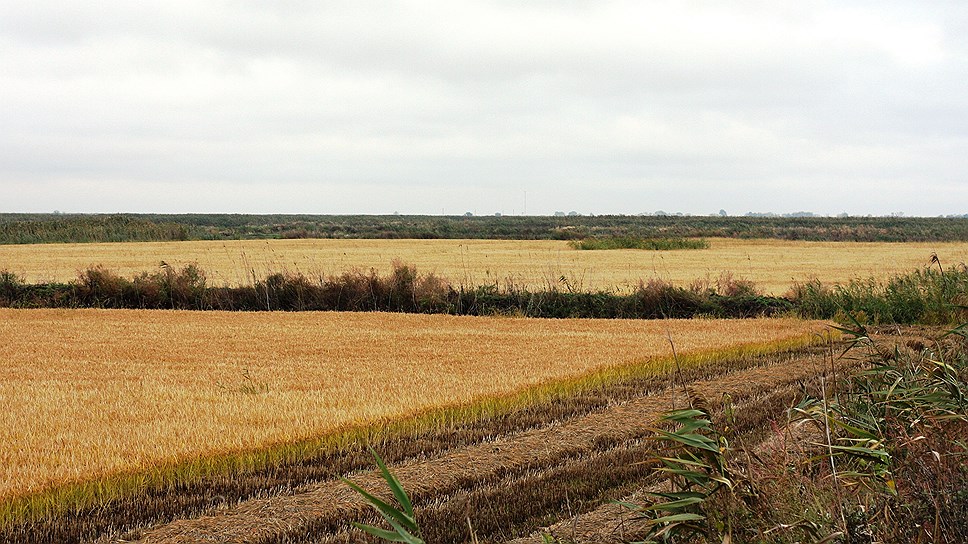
<point x="88" y="393"/>
<point x="106" y="410"/>
<point x="773" y="265"/>
<point x="508" y="484"/>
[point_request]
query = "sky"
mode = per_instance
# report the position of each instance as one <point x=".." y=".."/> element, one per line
<point x="444" y="107"/>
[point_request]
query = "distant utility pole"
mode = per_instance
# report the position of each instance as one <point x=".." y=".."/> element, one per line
<point x="525" y="203"/>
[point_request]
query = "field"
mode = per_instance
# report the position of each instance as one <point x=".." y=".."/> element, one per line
<point x="120" y="396"/>
<point x="185" y="426"/>
<point x="773" y="265"/>
<point x="91" y="393"/>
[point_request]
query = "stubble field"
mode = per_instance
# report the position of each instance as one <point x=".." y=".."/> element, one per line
<point x="118" y="422"/>
<point x="89" y="393"/>
<point x="773" y="265"/>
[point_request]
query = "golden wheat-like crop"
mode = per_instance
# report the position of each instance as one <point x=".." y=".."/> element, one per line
<point x="89" y="393"/>
<point x="772" y="264"/>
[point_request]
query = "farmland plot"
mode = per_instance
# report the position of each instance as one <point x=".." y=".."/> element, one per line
<point x="95" y="393"/>
<point x="773" y="265"/>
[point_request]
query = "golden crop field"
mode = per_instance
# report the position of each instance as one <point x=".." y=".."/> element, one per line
<point x="774" y="265"/>
<point x="90" y="393"/>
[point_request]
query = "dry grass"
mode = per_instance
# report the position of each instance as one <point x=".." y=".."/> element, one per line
<point x="89" y="393"/>
<point x="772" y="264"/>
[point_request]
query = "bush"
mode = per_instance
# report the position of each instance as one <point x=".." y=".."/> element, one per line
<point x="631" y="242"/>
<point x="11" y="287"/>
<point x="101" y="288"/>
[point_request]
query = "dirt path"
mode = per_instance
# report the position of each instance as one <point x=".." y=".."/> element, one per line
<point x="512" y="485"/>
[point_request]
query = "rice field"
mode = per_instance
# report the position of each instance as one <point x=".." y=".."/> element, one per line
<point x="774" y="265"/>
<point x="91" y="393"/>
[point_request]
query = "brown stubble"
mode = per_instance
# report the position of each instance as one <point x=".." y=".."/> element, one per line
<point x="95" y="392"/>
<point x="773" y="265"/>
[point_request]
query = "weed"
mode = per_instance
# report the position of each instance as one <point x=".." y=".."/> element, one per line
<point x="892" y="444"/>
<point x="924" y="296"/>
<point x="885" y="464"/>
<point x="697" y="471"/>
<point x="401" y="520"/>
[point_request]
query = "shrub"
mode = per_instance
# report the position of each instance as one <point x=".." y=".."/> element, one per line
<point x="184" y="289"/>
<point x="11" y="287"/>
<point x="701" y="484"/>
<point x="631" y="242"/>
<point x="402" y="290"/>
<point x="99" y="287"/>
<point x="660" y="299"/>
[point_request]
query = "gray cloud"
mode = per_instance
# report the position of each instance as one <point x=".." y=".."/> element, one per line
<point x="615" y="107"/>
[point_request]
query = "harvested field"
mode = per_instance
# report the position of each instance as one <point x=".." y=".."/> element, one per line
<point x="511" y="476"/>
<point x="91" y="393"/>
<point x="772" y="264"/>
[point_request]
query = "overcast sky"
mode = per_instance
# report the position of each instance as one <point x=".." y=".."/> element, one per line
<point x="446" y="107"/>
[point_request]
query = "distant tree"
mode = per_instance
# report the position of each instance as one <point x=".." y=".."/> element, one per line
<point x="722" y="213"/>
